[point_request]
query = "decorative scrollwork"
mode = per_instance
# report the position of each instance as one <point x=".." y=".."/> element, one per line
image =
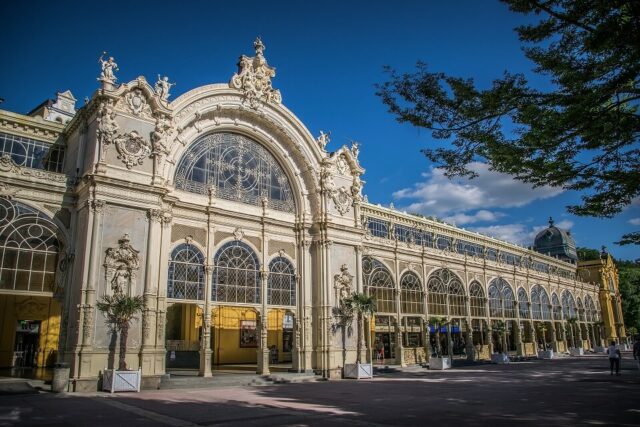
<point x="132" y="148"/>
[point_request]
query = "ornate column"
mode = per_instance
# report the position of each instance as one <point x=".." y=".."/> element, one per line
<point x="263" y="348"/>
<point x="518" y="332"/>
<point x="205" y="340"/>
<point x="150" y="288"/>
<point x="470" y="349"/>
<point x="87" y="309"/>
<point x="399" y="344"/>
<point x="161" y="307"/>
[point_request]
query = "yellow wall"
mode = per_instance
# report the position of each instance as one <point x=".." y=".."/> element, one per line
<point x="14" y="308"/>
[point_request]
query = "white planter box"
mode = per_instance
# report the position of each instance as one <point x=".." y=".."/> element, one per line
<point x="114" y="380"/>
<point x="599" y="349"/>
<point x="358" y="370"/>
<point x="440" y="363"/>
<point x="576" y="351"/>
<point x="546" y="354"/>
<point x="499" y="358"/>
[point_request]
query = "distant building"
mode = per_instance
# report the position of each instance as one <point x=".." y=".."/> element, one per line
<point x="242" y="232"/>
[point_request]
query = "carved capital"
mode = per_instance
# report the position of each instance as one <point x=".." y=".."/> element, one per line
<point x="155" y="215"/>
<point x="97" y="206"/>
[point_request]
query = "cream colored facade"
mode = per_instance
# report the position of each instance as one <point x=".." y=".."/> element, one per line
<point x="120" y="217"/>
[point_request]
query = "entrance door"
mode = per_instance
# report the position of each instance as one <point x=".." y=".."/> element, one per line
<point x="388" y="341"/>
<point x="26" y="344"/>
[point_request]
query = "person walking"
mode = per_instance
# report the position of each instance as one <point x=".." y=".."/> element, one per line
<point x="614" y="357"/>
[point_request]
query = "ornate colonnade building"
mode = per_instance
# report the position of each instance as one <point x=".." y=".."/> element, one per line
<point x="242" y="232"/>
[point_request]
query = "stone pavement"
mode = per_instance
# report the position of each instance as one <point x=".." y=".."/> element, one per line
<point x="567" y="391"/>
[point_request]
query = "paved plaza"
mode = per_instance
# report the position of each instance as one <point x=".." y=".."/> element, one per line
<point x="567" y="391"/>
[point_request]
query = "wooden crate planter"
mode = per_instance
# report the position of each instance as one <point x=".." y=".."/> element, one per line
<point x="358" y="370"/>
<point x="114" y="380"/>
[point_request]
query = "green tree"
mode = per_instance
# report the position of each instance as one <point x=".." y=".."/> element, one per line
<point x="629" y="276"/>
<point x="120" y="310"/>
<point x="438" y="323"/>
<point x="588" y="254"/>
<point x="582" y="134"/>
<point x="363" y="307"/>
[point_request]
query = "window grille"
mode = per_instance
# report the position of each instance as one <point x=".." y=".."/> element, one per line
<point x="29" y="248"/>
<point x="238" y="168"/>
<point x="580" y="309"/>
<point x="540" y="303"/>
<point x="501" y="299"/>
<point x="555" y="307"/>
<point x="236" y="274"/>
<point x="186" y="273"/>
<point x="523" y="304"/>
<point x="568" y="305"/>
<point x="476" y="301"/>
<point x="281" y="288"/>
<point x="411" y="294"/>
<point x="379" y="284"/>
<point x="445" y="287"/>
<point x="31" y="153"/>
<point x="378" y="227"/>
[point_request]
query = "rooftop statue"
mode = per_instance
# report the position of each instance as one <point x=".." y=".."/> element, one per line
<point x="163" y="86"/>
<point x="254" y="78"/>
<point x="108" y="67"/>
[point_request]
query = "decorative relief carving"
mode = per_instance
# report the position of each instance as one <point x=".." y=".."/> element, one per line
<point x="132" y="148"/>
<point x="238" y="233"/>
<point x="342" y="200"/>
<point x="254" y="78"/>
<point x="342" y="166"/>
<point x="155" y="215"/>
<point x="7" y="165"/>
<point x="161" y="135"/>
<point x="323" y="139"/>
<point x="87" y="324"/>
<point x="121" y="265"/>
<point x="107" y="126"/>
<point x="136" y="103"/>
<point x="342" y="283"/>
<point x="97" y="206"/>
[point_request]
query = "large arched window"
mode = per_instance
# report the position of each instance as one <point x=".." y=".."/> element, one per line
<point x="476" y="300"/>
<point x="379" y="284"/>
<point x="556" y="308"/>
<point x="411" y="294"/>
<point x="501" y="299"/>
<point x="236" y="274"/>
<point x="186" y="273"/>
<point x="540" y="304"/>
<point x="29" y="248"/>
<point x="592" y="312"/>
<point x="445" y="288"/>
<point x="282" y="282"/>
<point x="568" y="305"/>
<point x="238" y="168"/>
<point x="523" y="304"/>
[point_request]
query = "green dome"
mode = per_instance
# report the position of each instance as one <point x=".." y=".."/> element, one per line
<point x="555" y="242"/>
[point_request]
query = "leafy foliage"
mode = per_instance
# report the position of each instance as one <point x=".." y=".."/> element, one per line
<point x="120" y="310"/>
<point x="438" y="323"/>
<point x="629" y="275"/>
<point x="588" y="254"/>
<point x="582" y="134"/>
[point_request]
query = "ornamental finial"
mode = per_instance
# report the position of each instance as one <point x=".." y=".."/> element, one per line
<point x="258" y="46"/>
<point x="550" y="222"/>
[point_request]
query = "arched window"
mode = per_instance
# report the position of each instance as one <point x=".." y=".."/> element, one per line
<point x="379" y="284"/>
<point x="540" y="303"/>
<point x="186" y="273"/>
<point x="476" y="300"/>
<point x="445" y="288"/>
<point x="568" y="305"/>
<point x="523" y="304"/>
<point x="411" y="294"/>
<point x="238" y="168"/>
<point x="501" y="299"/>
<point x="29" y="248"/>
<point x="236" y="274"/>
<point x="282" y="282"/>
<point x="592" y="311"/>
<point x="555" y="307"/>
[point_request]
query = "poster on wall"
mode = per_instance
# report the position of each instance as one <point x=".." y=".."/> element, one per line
<point x="248" y="334"/>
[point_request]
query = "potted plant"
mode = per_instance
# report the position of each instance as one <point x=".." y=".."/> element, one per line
<point x="120" y="310"/>
<point x="545" y="352"/>
<point x="500" y="328"/>
<point x="572" y="322"/>
<point x="600" y="326"/>
<point x="360" y="306"/>
<point x="439" y="362"/>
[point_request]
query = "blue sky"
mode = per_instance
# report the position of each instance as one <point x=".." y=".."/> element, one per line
<point x="328" y="56"/>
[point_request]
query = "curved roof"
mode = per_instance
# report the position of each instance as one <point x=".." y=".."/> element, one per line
<point x="556" y="242"/>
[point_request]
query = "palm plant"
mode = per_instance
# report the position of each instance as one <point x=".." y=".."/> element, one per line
<point x="438" y="322"/>
<point x="572" y="322"/>
<point x="363" y="307"/>
<point x="542" y="329"/>
<point x="600" y="325"/>
<point x="120" y="310"/>
<point x="500" y="328"/>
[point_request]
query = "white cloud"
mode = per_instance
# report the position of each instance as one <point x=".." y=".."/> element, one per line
<point x="634" y="221"/>
<point x="480" y="216"/>
<point x="518" y="232"/>
<point x="437" y="195"/>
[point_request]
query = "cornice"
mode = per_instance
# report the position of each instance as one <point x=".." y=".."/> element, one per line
<point x="30" y="127"/>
